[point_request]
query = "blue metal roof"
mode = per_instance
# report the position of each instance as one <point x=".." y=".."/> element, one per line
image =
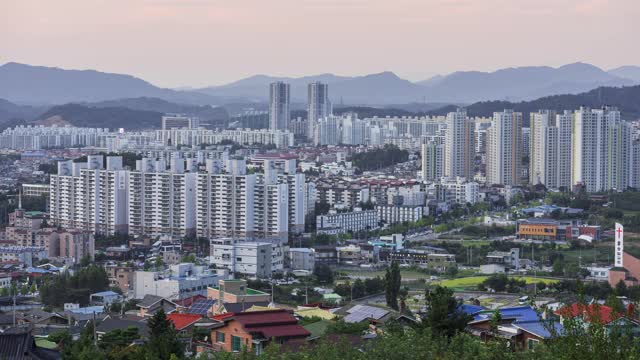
<point x="541" y="328"/>
<point x="519" y="313"/>
<point x="470" y="309"/>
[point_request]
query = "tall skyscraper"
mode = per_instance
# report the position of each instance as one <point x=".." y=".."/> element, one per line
<point x="279" y="113"/>
<point x="504" y="148"/>
<point x="318" y="106"/>
<point x="459" y="151"/>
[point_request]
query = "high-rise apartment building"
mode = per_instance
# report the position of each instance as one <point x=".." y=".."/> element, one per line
<point x="550" y="149"/>
<point x="602" y="148"/>
<point x="161" y="202"/>
<point x="504" y="148"/>
<point x="279" y="112"/>
<point x="459" y="151"/>
<point x="432" y="160"/>
<point x="90" y="197"/>
<point x="318" y="105"/>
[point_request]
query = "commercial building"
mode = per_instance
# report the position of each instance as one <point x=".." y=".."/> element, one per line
<point x="554" y="230"/>
<point x="259" y="259"/>
<point x="179" y="121"/>
<point x="301" y="259"/>
<point x="35" y="190"/>
<point x="179" y="282"/>
<point x="279" y="113"/>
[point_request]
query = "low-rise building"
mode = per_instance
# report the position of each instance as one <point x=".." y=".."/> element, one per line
<point x="260" y="259"/>
<point x="180" y="281"/>
<point x="301" y="259"/>
<point x="350" y="221"/>
<point x="394" y="214"/>
<point x="254" y="330"/>
<point x="510" y="259"/>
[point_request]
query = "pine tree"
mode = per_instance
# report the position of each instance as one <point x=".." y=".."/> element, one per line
<point x="163" y="340"/>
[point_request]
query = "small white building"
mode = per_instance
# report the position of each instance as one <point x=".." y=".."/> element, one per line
<point x="179" y="282"/>
<point x="260" y="259"/>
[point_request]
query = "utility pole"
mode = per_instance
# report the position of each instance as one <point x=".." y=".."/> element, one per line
<point x="95" y="338"/>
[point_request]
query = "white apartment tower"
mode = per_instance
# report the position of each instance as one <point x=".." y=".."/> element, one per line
<point x="602" y="149"/>
<point x="432" y="160"/>
<point x="504" y="148"/>
<point x="161" y="202"/>
<point x="90" y="197"/>
<point x="550" y="149"/>
<point x="459" y="151"/>
<point x="318" y="105"/>
<point x="279" y="113"/>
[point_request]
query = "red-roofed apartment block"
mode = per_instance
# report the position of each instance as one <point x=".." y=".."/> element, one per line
<point x="254" y="330"/>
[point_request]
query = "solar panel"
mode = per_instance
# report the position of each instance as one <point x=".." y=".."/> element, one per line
<point x="201" y="307"/>
<point x="360" y="313"/>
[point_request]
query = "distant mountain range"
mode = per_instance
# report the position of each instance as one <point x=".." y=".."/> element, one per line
<point x="145" y="113"/>
<point x="132" y="113"/>
<point x="626" y="99"/>
<point x="26" y="84"/>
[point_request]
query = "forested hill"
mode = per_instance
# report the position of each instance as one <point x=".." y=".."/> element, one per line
<point x="626" y="99"/>
<point x="109" y="117"/>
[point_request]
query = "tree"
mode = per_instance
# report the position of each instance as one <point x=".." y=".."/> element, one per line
<point x="444" y="315"/>
<point x="392" y="281"/>
<point x="621" y="289"/>
<point x="163" y="340"/>
<point x="323" y="273"/>
<point x="359" y="289"/>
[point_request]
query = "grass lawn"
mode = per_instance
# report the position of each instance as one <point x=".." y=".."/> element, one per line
<point x="318" y="328"/>
<point x="474" y="281"/>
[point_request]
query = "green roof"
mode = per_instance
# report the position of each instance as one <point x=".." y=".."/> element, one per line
<point x="255" y="292"/>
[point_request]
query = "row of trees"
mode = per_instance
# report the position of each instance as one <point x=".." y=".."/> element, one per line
<point x="360" y="288"/>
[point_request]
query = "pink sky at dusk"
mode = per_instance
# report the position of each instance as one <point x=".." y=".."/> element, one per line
<point x="207" y="42"/>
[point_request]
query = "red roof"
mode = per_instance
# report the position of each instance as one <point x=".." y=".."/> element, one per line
<point x="181" y="321"/>
<point x="223" y="316"/>
<point x="270" y="323"/>
<point x="592" y="313"/>
<point x="281" y="331"/>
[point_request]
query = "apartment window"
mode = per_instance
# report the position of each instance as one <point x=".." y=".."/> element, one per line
<point x="236" y="343"/>
<point x="532" y="343"/>
<point x="219" y="337"/>
<point x="238" y="259"/>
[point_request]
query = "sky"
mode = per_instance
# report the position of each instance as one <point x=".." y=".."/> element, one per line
<point x="195" y="43"/>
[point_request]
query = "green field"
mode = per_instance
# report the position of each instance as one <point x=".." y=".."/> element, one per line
<point x="474" y="281"/>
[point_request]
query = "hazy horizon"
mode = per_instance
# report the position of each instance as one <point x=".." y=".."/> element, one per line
<point x="194" y="43"/>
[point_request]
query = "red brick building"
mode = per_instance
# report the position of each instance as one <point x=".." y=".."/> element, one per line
<point x="254" y="330"/>
<point x="630" y="274"/>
